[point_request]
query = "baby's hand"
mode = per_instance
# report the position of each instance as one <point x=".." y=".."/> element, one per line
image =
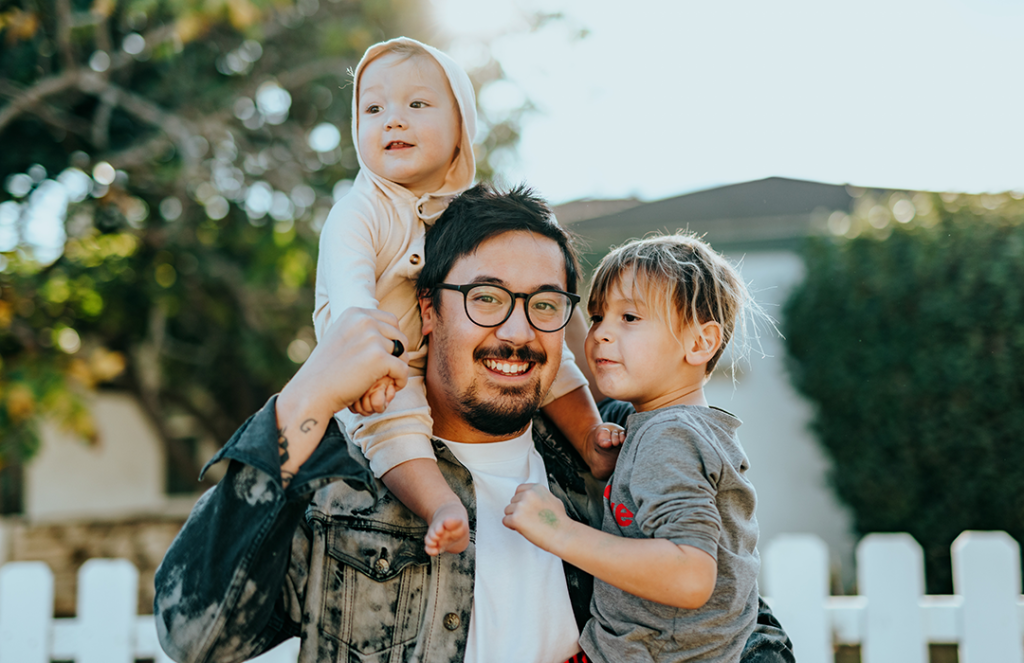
<point x="376" y="398"/>
<point x="604" y="441"/>
<point x="538" y="515"/>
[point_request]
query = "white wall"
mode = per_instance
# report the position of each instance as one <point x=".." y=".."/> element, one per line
<point x="788" y="468"/>
<point x="122" y="475"/>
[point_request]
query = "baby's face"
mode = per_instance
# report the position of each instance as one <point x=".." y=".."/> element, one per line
<point x="408" y="121"/>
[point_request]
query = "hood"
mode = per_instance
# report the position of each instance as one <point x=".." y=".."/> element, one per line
<point x="463" y="169"/>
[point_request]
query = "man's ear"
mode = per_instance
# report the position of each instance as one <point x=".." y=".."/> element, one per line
<point x="704" y="342"/>
<point x="427" y="314"/>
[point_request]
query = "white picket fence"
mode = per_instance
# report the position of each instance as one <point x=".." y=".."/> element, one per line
<point x="892" y="620"/>
<point x="106" y="628"/>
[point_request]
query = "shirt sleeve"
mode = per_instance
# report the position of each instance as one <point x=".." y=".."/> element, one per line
<point x="569" y="378"/>
<point x="233" y="582"/>
<point x="674" y="483"/>
<point x="346" y="268"/>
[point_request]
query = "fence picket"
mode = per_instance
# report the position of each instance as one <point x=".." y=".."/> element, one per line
<point x="796" y="578"/>
<point x="26" y="612"/>
<point x="107" y="596"/>
<point x="890" y="574"/>
<point x="286" y="652"/>
<point x="986" y="572"/>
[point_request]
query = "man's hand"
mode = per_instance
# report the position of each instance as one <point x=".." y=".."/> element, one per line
<point x="351" y="357"/>
<point x="539" y="516"/>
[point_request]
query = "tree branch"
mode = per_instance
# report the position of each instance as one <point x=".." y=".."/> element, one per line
<point x="139" y="154"/>
<point x="49" y="114"/>
<point x="35" y="94"/>
<point x="74" y="75"/>
<point x="310" y="71"/>
<point x="101" y="119"/>
<point x="64" y="45"/>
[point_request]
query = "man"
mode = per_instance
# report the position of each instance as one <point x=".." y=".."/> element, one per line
<point x="294" y="542"/>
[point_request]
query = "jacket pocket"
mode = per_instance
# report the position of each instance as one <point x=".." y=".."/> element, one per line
<point x="376" y="585"/>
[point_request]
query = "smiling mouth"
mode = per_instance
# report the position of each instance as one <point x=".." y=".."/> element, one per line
<point x="397" y="145"/>
<point x="506" y="368"/>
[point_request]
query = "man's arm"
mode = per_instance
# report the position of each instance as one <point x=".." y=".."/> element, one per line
<point x="221" y="590"/>
<point x="658" y="570"/>
<point x="353" y="354"/>
<point x="233" y="581"/>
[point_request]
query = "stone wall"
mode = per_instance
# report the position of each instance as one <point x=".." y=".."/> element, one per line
<point x="64" y="547"/>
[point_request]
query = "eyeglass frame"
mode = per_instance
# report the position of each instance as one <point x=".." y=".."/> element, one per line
<point x="574" y="299"/>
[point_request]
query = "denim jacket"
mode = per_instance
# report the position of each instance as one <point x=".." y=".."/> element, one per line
<point x="336" y="560"/>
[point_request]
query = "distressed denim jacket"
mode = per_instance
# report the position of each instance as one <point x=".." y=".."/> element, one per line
<point x="336" y="560"/>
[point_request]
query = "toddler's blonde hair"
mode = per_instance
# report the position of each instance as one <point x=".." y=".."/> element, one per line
<point x="682" y="282"/>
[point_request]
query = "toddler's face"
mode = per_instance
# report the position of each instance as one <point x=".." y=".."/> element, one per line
<point x="635" y="356"/>
<point x="408" y="121"/>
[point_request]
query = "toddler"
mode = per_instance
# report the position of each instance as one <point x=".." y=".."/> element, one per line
<point x="675" y="561"/>
<point x="413" y="124"/>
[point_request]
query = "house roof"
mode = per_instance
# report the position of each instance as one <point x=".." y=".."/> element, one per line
<point x="775" y="212"/>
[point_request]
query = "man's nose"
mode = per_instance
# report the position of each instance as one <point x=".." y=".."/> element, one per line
<point x="516" y="330"/>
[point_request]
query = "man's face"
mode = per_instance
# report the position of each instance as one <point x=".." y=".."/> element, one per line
<point x="485" y="384"/>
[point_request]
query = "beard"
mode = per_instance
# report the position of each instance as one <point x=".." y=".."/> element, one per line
<point x="509" y="414"/>
<point x="514" y="407"/>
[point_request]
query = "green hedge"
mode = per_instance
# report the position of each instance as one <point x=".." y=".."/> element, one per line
<point x="909" y="340"/>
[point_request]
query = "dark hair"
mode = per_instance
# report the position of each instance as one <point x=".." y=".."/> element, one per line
<point x="480" y="214"/>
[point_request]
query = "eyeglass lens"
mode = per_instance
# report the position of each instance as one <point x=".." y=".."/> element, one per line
<point x="489" y="306"/>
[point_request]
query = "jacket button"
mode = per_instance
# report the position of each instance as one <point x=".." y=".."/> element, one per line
<point x="382" y="565"/>
<point x="415" y="259"/>
<point x="451" y="621"/>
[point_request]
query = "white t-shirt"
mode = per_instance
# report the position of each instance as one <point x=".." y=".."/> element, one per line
<point x="521" y="609"/>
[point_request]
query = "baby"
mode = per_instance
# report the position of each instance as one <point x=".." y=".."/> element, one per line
<point x="675" y="561"/>
<point x="413" y="125"/>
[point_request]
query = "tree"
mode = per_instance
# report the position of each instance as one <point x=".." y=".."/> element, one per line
<point x="908" y="337"/>
<point x="167" y="166"/>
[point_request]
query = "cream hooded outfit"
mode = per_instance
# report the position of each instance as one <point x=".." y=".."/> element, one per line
<point x="371" y="252"/>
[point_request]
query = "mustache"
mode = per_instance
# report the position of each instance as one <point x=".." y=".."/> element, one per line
<point x="508" y="352"/>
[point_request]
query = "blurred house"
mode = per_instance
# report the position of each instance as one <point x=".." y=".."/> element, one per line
<point x="80" y="501"/>
<point x="761" y="225"/>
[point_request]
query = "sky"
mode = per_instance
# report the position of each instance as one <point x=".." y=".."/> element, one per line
<point x="655" y="98"/>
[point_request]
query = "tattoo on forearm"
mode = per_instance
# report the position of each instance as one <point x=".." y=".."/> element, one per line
<point x="282" y="445"/>
<point x="282" y="448"/>
<point x="282" y="451"/>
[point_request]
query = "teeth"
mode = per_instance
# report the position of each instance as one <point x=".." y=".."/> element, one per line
<point x="505" y="367"/>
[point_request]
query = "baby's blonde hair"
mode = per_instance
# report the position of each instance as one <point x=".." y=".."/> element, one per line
<point x="682" y="282"/>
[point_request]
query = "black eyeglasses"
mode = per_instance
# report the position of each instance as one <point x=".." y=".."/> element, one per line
<point x="490" y="305"/>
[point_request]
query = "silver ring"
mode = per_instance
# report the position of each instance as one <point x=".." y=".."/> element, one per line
<point x="398" y="349"/>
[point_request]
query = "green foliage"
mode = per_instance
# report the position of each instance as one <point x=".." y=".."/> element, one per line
<point x="909" y="341"/>
<point x="175" y="134"/>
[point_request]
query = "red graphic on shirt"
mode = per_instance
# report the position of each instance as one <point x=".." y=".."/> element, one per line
<point x="623" y="516"/>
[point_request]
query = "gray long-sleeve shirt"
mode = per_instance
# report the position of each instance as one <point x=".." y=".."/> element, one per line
<point x="681" y="476"/>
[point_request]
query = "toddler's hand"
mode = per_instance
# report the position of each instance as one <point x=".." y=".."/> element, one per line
<point x="608" y="435"/>
<point x="377" y="397"/>
<point x="538" y="515"/>
<point x="604" y="441"/>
